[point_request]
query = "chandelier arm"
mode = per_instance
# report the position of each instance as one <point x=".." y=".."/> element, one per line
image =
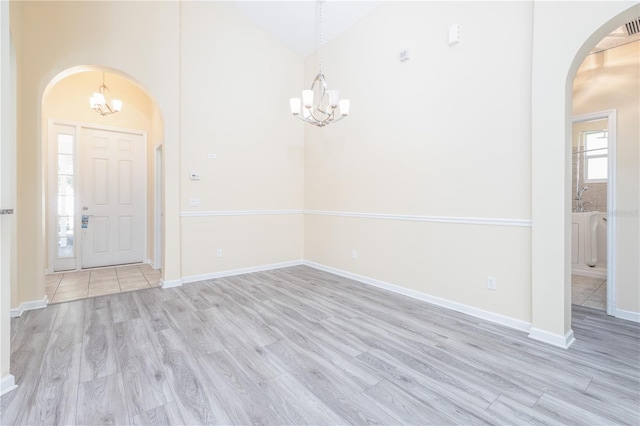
<point x="316" y="120"/>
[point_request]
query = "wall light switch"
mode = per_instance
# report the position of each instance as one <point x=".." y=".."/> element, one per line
<point x="194" y="176"/>
<point x="212" y="156"/>
<point x="194" y="202"/>
<point x="454" y="34"/>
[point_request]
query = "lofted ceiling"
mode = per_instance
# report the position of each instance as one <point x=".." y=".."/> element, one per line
<point x="295" y="23"/>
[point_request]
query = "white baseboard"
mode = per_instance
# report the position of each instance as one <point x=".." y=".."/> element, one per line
<point x="171" y="283"/>
<point x="552" y="338"/>
<point x="445" y="303"/>
<point x="627" y="315"/>
<point x="29" y="306"/>
<point x="7" y="384"/>
<point x="232" y="272"/>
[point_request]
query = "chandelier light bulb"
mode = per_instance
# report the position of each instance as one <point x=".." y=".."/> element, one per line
<point x="295" y="106"/>
<point x="307" y="98"/>
<point x="344" y="107"/>
<point x="334" y="96"/>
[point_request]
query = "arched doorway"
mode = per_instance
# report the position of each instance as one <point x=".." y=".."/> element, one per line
<point x="555" y="63"/>
<point x="607" y="85"/>
<point x="101" y="184"/>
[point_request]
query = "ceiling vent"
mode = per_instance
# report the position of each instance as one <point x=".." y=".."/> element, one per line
<point x="633" y="27"/>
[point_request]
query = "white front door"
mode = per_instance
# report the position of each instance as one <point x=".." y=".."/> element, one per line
<point x="113" y="196"/>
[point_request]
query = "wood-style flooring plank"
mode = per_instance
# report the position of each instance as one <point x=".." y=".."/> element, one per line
<point x="245" y="350"/>
<point x="143" y="376"/>
<point x="149" y="304"/>
<point x="344" y="397"/>
<point x="193" y="391"/>
<point x="101" y="402"/>
<point x="57" y="393"/>
<point x="302" y="407"/>
<point x="409" y="408"/>
<point x="99" y="343"/>
<point x="166" y="415"/>
<point x="197" y="336"/>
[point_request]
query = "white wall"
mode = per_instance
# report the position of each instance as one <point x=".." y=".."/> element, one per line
<point x="611" y="80"/>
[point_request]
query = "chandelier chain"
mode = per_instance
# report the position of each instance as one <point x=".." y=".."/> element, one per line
<point x="319" y="105"/>
<point x="320" y="50"/>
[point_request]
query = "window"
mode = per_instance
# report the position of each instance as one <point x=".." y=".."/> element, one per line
<point x="596" y="156"/>
<point x="65" y="196"/>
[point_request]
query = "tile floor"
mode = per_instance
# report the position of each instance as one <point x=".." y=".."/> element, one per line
<point x="74" y="285"/>
<point x="589" y="292"/>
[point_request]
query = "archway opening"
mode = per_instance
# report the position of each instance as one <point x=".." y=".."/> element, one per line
<point x="605" y="80"/>
<point x="102" y="180"/>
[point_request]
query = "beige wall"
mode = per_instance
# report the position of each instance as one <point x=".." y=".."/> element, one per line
<point x="611" y="80"/>
<point x="234" y="104"/>
<point x="198" y="67"/>
<point x="67" y="101"/>
<point x="555" y="62"/>
<point x="443" y="135"/>
<point x="56" y="36"/>
<point x="7" y="192"/>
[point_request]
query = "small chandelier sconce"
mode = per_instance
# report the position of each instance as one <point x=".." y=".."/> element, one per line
<point x="320" y="106"/>
<point x="102" y="103"/>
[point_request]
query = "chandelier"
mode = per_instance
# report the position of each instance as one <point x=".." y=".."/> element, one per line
<point x="102" y="103"/>
<point x="320" y="105"/>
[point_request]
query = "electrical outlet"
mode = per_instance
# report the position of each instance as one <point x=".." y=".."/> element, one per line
<point x="354" y="254"/>
<point x="212" y="156"/>
<point x="194" y="202"/>
<point x="491" y="283"/>
<point x="219" y="252"/>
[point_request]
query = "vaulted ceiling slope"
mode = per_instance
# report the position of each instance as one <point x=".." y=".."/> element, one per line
<point x="296" y="23"/>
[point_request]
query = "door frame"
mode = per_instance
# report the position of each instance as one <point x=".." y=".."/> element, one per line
<point x="158" y="216"/>
<point x="610" y="116"/>
<point x="52" y="187"/>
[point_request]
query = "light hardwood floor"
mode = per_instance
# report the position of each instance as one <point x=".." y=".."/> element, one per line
<point x="300" y="346"/>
